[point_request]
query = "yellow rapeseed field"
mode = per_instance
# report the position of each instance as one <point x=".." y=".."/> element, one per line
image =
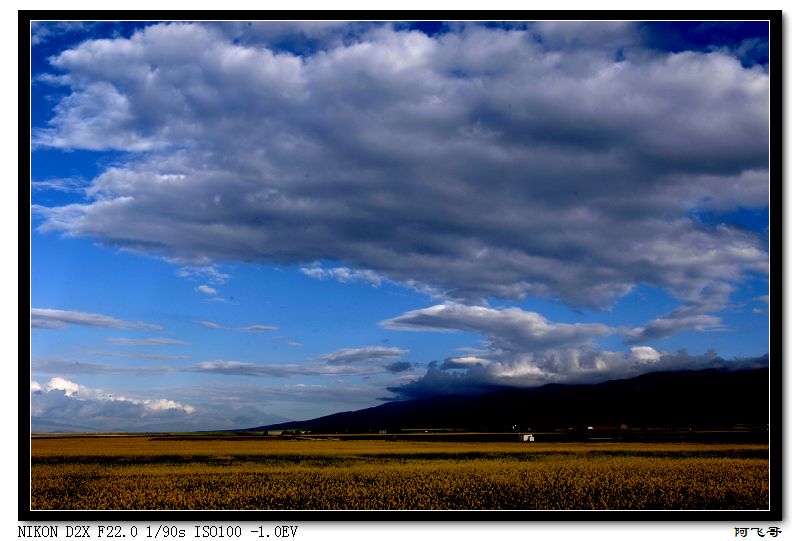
<point x="145" y="473"/>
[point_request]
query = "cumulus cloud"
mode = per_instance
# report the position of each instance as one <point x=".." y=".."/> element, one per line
<point x="61" y="401"/>
<point x="78" y="392"/>
<point x="526" y="350"/>
<point x="48" y="318"/>
<point x="63" y="405"/>
<point x="510" y="329"/>
<point x="302" y="37"/>
<point x="464" y="362"/>
<point x="478" y="162"/>
<point x="208" y="290"/>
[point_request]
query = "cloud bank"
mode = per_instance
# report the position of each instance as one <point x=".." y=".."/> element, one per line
<point x="476" y="376"/>
<point x="61" y="401"/>
<point x="524" y="349"/>
<point x="552" y="160"/>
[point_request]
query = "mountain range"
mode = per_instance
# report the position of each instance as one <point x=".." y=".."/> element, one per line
<point x="711" y="399"/>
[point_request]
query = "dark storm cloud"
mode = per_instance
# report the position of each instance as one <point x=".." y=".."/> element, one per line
<point x="472" y="162"/>
<point x="399" y="366"/>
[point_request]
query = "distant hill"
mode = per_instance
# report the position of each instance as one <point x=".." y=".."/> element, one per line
<point x="703" y="399"/>
<point x="43" y="426"/>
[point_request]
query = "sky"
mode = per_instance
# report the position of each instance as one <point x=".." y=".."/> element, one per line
<point x="235" y="224"/>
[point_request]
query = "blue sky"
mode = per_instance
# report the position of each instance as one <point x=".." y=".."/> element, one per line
<point x="235" y="224"/>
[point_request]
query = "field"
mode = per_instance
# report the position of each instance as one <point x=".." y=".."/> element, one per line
<point x="266" y="473"/>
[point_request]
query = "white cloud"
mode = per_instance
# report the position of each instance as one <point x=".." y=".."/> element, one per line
<point x="47" y="318"/>
<point x="236" y="368"/>
<point x="527" y="350"/>
<point x="61" y="401"/>
<point x="692" y="315"/>
<point x="208" y="290"/>
<point x="146" y="341"/>
<point x="348" y="356"/>
<point x="645" y="354"/>
<point x="71" y="367"/>
<point x="138" y="355"/>
<point x="61" y="384"/>
<point x="510" y="329"/>
<point x="247" y="328"/>
<point x="44" y="31"/>
<point x="343" y="275"/>
<point x="69" y="185"/>
<point x="208" y="273"/>
<point x="663" y="327"/>
<point x="477" y="163"/>
<point x="256" y="328"/>
<point x="465" y="362"/>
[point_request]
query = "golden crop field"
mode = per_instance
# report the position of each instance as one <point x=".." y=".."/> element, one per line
<point x="152" y="473"/>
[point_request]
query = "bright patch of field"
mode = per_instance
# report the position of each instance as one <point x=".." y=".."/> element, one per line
<point x="144" y="473"/>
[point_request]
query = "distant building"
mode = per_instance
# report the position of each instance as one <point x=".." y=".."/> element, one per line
<point x="526" y="437"/>
<point x="621" y="426"/>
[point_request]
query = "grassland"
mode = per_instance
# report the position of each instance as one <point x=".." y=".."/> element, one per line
<point x="153" y="473"/>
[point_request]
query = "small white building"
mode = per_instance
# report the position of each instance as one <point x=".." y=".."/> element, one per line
<point x="526" y="437"/>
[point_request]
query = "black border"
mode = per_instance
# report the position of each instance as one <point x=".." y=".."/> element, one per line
<point x="778" y="384"/>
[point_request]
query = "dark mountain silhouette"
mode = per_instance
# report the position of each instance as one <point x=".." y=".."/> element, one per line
<point x="703" y="399"/>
